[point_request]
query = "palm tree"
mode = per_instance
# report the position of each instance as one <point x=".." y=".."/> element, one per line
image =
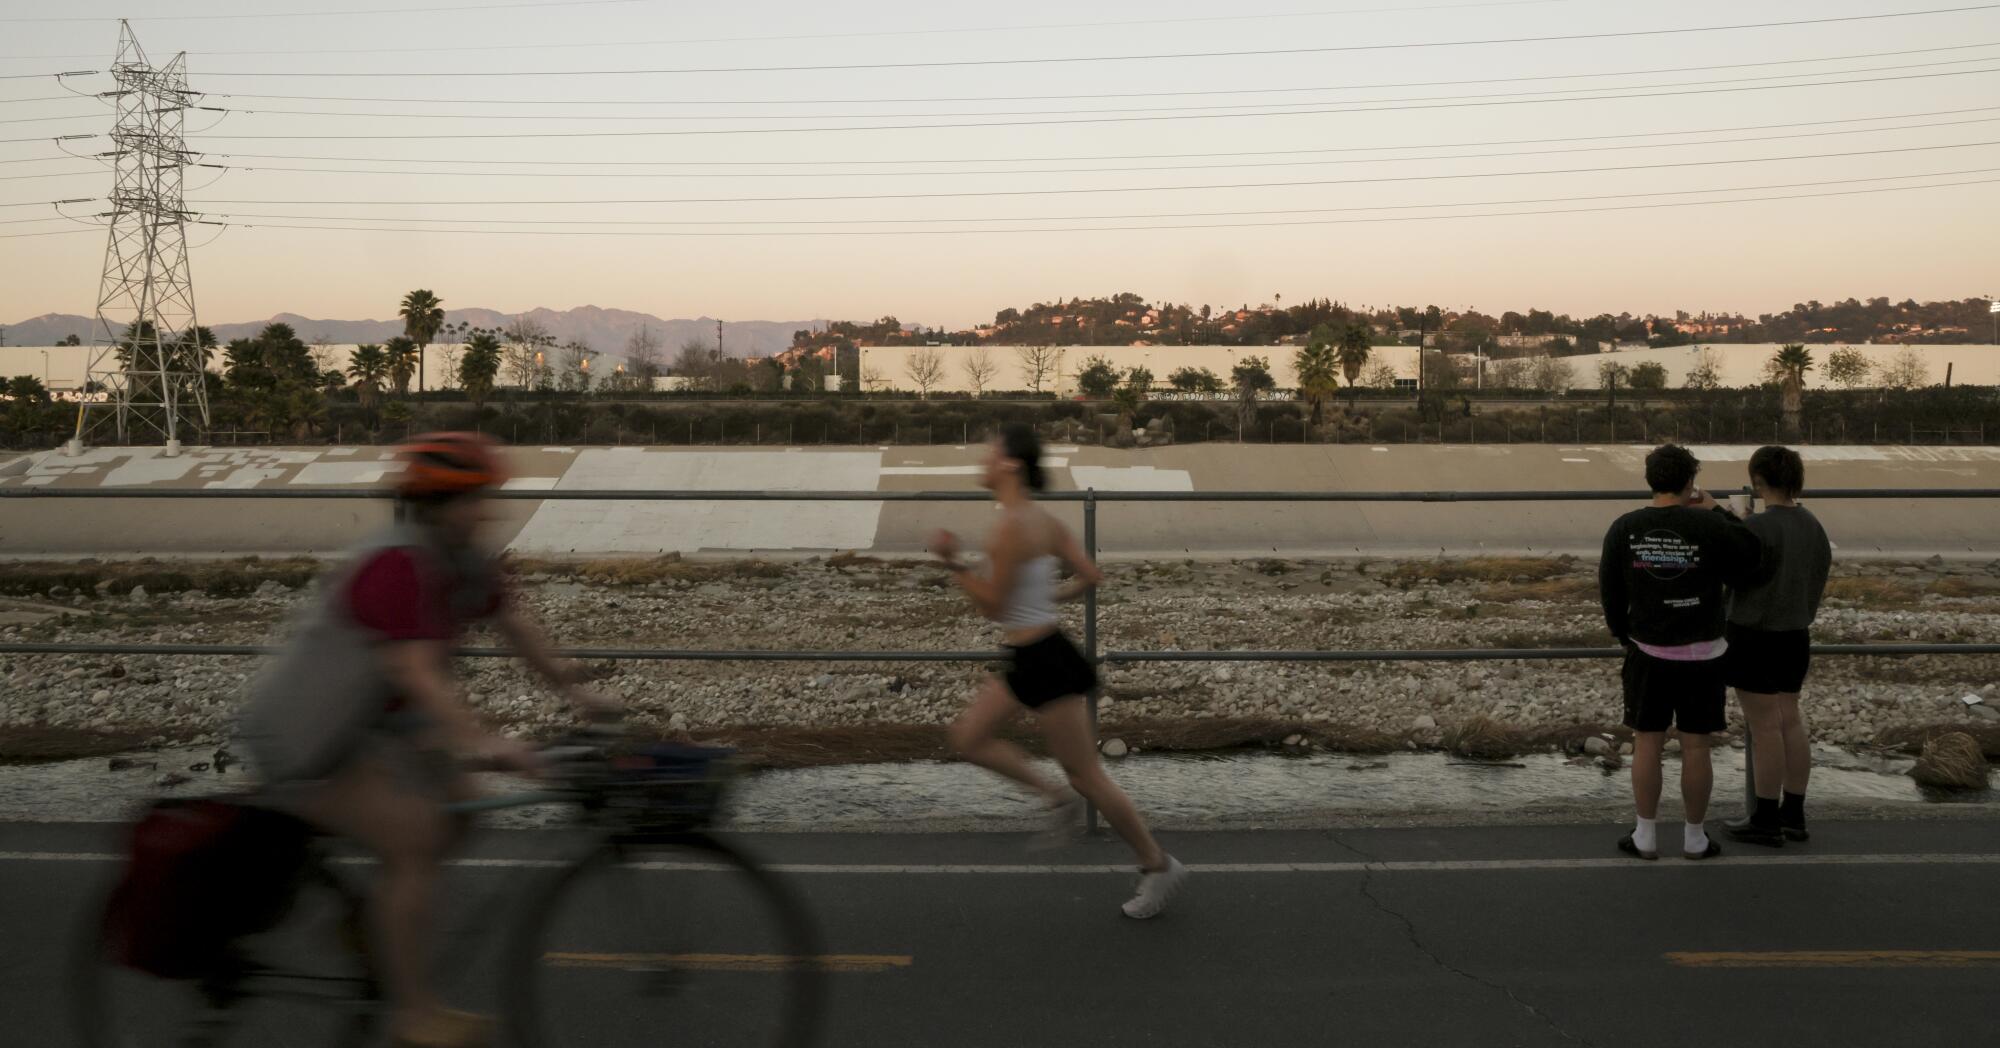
<point x="1316" y="362"/>
<point x="479" y="366"/>
<point x="1791" y="364"/>
<point x="423" y="315"/>
<point x="403" y="358"/>
<point x="1353" y="356"/>
<point x="369" y="366"/>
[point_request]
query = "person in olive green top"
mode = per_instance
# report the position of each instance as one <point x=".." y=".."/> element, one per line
<point x="1770" y="647"/>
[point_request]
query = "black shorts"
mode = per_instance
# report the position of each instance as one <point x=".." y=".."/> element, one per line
<point x="1767" y="662"/>
<point x="1660" y="693"/>
<point x="1048" y="669"/>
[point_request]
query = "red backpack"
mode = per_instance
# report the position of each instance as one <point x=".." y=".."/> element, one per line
<point x="200" y="873"/>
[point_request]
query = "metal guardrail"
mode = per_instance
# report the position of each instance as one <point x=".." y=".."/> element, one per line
<point x="1090" y="500"/>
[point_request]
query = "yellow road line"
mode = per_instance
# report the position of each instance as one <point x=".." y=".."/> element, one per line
<point x="731" y="962"/>
<point x="1837" y="959"/>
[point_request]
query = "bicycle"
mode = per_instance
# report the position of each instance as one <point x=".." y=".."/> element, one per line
<point x="588" y="959"/>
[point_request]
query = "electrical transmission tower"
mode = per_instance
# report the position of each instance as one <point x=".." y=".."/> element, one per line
<point x="146" y="355"/>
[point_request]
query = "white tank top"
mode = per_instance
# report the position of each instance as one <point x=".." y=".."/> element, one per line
<point x="1033" y="602"/>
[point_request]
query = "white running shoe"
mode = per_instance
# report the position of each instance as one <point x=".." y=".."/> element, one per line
<point x="1155" y="889"/>
<point x="1062" y="826"/>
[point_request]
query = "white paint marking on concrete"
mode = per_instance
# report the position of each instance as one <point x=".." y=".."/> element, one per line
<point x="328" y="473"/>
<point x="147" y="466"/>
<point x="1062" y="449"/>
<point x="338" y="451"/>
<point x="1246" y="868"/>
<point x="1378" y="449"/>
<point x="1131" y="478"/>
<point x="247" y="477"/>
<point x="560" y="451"/>
<point x="531" y="483"/>
<point x="36" y="482"/>
<point x="619" y="527"/>
<point x="932" y="471"/>
<point x="1575" y="460"/>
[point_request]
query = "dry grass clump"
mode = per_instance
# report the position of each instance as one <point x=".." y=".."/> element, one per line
<point x="1951" y="761"/>
<point x="217" y="578"/>
<point x="1482" y="738"/>
<point x="645" y="571"/>
<point x="1567" y="589"/>
<point x="1476" y="569"/>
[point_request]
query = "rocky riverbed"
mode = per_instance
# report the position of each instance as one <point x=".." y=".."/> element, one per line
<point x="826" y="712"/>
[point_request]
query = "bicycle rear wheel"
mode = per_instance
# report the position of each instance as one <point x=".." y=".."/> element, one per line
<point x="306" y="983"/>
<point x="679" y="938"/>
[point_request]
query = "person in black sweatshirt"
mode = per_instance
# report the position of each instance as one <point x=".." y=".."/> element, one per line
<point x="1663" y="581"/>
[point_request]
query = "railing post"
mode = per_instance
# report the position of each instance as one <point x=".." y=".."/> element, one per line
<point x="1090" y="649"/>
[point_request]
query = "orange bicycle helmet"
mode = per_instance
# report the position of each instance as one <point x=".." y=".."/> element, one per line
<point x="443" y="464"/>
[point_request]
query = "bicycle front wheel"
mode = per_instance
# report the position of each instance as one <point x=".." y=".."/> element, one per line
<point x="679" y="938"/>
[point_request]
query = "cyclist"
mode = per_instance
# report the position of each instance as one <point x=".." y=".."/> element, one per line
<point x="355" y="727"/>
<point x="1046" y="674"/>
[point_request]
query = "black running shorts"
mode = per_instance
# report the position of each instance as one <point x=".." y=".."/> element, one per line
<point x="1767" y="662"/>
<point x="1661" y="693"/>
<point x="1048" y="669"/>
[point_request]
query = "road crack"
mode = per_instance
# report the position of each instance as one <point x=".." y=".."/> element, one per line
<point x="1417" y="943"/>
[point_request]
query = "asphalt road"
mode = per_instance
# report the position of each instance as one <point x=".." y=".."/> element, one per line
<point x="1441" y="937"/>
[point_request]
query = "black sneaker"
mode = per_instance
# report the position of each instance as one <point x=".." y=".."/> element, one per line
<point x="1749" y="831"/>
<point x="1797" y="833"/>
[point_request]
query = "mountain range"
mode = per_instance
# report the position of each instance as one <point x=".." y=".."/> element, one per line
<point x="605" y="330"/>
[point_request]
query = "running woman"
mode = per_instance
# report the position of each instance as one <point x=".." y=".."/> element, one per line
<point x="1770" y="647"/>
<point x="356" y="726"/>
<point x="1046" y="674"/>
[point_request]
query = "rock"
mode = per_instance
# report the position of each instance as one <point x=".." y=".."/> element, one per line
<point x="101" y="695"/>
<point x="1114" y="748"/>
<point x="1609" y="764"/>
<point x="1294" y="741"/>
<point x="1424" y="722"/>
<point x="114" y="672"/>
<point x="1597" y="746"/>
<point x="677" y="722"/>
<point x="170" y="780"/>
<point x="269" y="588"/>
<point x="1673" y="746"/>
<point x="1624" y="749"/>
<point x="1985" y="712"/>
<point x="138" y="594"/>
<point x="1371" y="766"/>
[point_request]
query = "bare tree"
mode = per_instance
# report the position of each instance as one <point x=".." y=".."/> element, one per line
<point x="642" y="357"/>
<point x="1038" y="364"/>
<point x="696" y="364"/>
<point x="524" y="353"/>
<point x="925" y="367"/>
<point x="325" y="357"/>
<point x="1906" y="370"/>
<point x="574" y="364"/>
<point x="979" y="368"/>
<point x="1551" y="374"/>
<point x="448" y="353"/>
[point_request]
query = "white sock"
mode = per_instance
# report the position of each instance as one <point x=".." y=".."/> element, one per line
<point x="1695" y="838"/>
<point x="1646" y="834"/>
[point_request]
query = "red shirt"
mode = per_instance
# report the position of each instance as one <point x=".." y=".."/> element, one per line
<point x="401" y="596"/>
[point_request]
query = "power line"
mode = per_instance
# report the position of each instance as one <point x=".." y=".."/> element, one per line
<point x="1093" y="120"/>
<point x="1101" y="170"/>
<point x="1145" y="216"/>
<point x="1176" y="56"/>
<point x="1180" y="109"/>
<point x="52" y="203"/>
<point x="51" y="174"/>
<point x="1104" y="95"/>
<point x="49" y="233"/>
<point x="1096" y="157"/>
<point x="1122" y="229"/>
<point x="957" y="194"/>
<point x="328" y="14"/>
<point x="854" y="35"/>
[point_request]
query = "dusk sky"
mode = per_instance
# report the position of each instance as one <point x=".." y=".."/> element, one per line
<point x="689" y="110"/>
